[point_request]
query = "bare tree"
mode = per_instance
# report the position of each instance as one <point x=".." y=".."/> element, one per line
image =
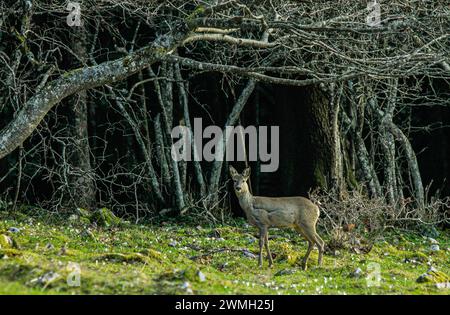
<point x="360" y="78"/>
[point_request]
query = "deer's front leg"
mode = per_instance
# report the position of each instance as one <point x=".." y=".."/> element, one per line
<point x="262" y="233"/>
<point x="266" y="243"/>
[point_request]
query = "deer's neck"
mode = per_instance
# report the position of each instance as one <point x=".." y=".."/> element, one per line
<point x="246" y="202"/>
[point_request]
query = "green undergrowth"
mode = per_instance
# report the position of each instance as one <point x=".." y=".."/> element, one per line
<point x="48" y="255"/>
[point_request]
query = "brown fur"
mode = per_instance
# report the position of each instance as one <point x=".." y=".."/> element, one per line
<point x="298" y="213"/>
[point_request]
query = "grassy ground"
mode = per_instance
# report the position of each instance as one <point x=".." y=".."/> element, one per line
<point x="184" y="259"/>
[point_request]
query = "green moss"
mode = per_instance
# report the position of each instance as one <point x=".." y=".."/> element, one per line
<point x="22" y="39"/>
<point x="319" y="176"/>
<point x="85" y="221"/>
<point x="418" y="256"/>
<point x="352" y="182"/>
<point x="433" y="276"/>
<point x="153" y="254"/>
<point x="105" y="217"/>
<point x="126" y="61"/>
<point x="82" y="216"/>
<point x="190" y="273"/>
<point x="198" y="11"/>
<point x="120" y="258"/>
<point x="285" y="252"/>
<point x="139" y="260"/>
<point x="71" y="72"/>
<point x="161" y="51"/>
<point x="7" y="241"/>
<point x="83" y="212"/>
<point x="10" y="252"/>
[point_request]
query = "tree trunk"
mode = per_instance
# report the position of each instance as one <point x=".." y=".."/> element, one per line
<point x="387" y="141"/>
<point x="167" y="120"/>
<point x="337" y="169"/>
<point x="184" y="101"/>
<point x="418" y="190"/>
<point x="355" y="122"/>
<point x="321" y="138"/>
<point x="82" y="186"/>
<point x="160" y="152"/>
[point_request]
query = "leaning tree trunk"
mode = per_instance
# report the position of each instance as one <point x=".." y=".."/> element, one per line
<point x="214" y="178"/>
<point x="418" y="190"/>
<point x="183" y="88"/>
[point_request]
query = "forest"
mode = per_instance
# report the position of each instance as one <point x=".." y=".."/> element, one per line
<point x="348" y="101"/>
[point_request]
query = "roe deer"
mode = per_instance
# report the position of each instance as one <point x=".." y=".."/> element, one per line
<point x="264" y="212"/>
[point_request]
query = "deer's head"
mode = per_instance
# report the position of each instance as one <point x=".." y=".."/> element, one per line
<point x="240" y="180"/>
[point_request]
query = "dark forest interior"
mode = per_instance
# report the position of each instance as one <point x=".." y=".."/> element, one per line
<point x="354" y="114"/>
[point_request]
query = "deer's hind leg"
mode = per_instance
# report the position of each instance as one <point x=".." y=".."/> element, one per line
<point x="320" y="245"/>
<point x="311" y="234"/>
<point x="310" y="247"/>
<point x="308" y="252"/>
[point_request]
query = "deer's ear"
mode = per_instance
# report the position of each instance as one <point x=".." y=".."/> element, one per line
<point x="246" y="173"/>
<point x="233" y="172"/>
